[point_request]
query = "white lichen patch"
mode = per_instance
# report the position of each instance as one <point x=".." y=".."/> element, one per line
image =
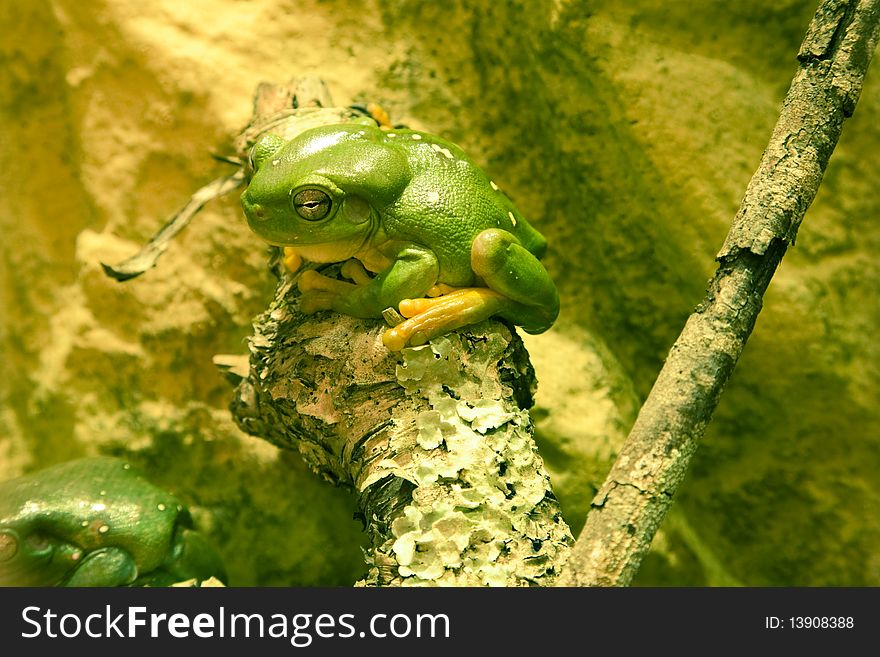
<point x="486" y="414"/>
<point x="430" y="541"/>
<point x="481" y="503"/>
<point x="430" y="434"/>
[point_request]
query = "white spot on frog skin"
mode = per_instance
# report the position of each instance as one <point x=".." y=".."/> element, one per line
<point x="416" y="137"/>
<point x="75" y="556"/>
<point x="99" y="506"/>
<point x="103" y="529"/>
<point x="443" y="151"/>
<point x="103" y="492"/>
<point x="512" y="218"/>
<point x="392" y="134"/>
<point x="493" y="185"/>
<point x="275" y="163"/>
<point x="84" y="523"/>
<point x="433" y="197"/>
<point x="161" y="507"/>
<point x="127" y="466"/>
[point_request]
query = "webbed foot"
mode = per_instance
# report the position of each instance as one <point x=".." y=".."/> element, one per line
<point x="319" y="292"/>
<point x="431" y="317"/>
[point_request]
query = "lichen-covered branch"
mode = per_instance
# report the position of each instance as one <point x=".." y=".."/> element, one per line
<point x="436" y="442"/>
<point x="637" y="493"/>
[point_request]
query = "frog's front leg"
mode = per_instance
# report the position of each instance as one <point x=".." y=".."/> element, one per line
<point x="191" y="557"/>
<point x="110" y="566"/>
<point x="414" y="270"/>
<point x="519" y="289"/>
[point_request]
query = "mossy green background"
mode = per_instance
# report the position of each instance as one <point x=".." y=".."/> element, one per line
<point x="626" y="131"/>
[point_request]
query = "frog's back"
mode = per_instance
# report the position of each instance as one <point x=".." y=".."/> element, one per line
<point x="450" y="199"/>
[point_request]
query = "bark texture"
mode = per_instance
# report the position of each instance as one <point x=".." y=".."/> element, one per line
<point x="436" y="442"/>
<point x="633" y="500"/>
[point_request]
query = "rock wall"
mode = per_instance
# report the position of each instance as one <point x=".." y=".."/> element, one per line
<point x="627" y="132"/>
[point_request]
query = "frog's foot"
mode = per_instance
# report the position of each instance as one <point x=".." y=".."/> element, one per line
<point x="430" y="318"/>
<point x="375" y="112"/>
<point x="291" y="259"/>
<point x="353" y="270"/>
<point x="319" y="291"/>
<point x="380" y="115"/>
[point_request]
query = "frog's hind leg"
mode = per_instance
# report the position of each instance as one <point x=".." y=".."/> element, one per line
<point x="514" y="272"/>
<point x="520" y="290"/>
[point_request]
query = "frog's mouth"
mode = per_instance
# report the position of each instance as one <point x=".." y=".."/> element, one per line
<point x="324" y="253"/>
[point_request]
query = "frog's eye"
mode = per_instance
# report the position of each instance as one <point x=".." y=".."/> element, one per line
<point x="312" y="204"/>
<point x="8" y="546"/>
<point x="38" y="541"/>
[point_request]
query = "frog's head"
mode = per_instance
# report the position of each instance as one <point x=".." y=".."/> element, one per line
<point x="31" y="556"/>
<point x="325" y="187"/>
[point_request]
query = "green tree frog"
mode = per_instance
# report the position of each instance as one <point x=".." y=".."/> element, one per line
<point x="96" y="522"/>
<point x="418" y="225"/>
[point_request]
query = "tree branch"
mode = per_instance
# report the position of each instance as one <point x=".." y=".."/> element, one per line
<point x="634" y="499"/>
<point x="435" y="442"/>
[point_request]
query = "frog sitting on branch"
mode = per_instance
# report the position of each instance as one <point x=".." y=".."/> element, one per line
<point x="447" y="247"/>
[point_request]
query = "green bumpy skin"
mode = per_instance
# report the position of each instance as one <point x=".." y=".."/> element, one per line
<point x="96" y="522"/>
<point x="413" y="210"/>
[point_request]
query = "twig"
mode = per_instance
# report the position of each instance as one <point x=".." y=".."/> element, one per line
<point x="633" y="500"/>
<point x="152" y="250"/>
<point x="283" y="109"/>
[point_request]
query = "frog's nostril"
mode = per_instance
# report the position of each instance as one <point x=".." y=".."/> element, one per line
<point x="258" y="211"/>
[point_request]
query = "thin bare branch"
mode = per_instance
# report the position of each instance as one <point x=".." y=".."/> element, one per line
<point x="634" y="499"/>
<point x="152" y="250"/>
